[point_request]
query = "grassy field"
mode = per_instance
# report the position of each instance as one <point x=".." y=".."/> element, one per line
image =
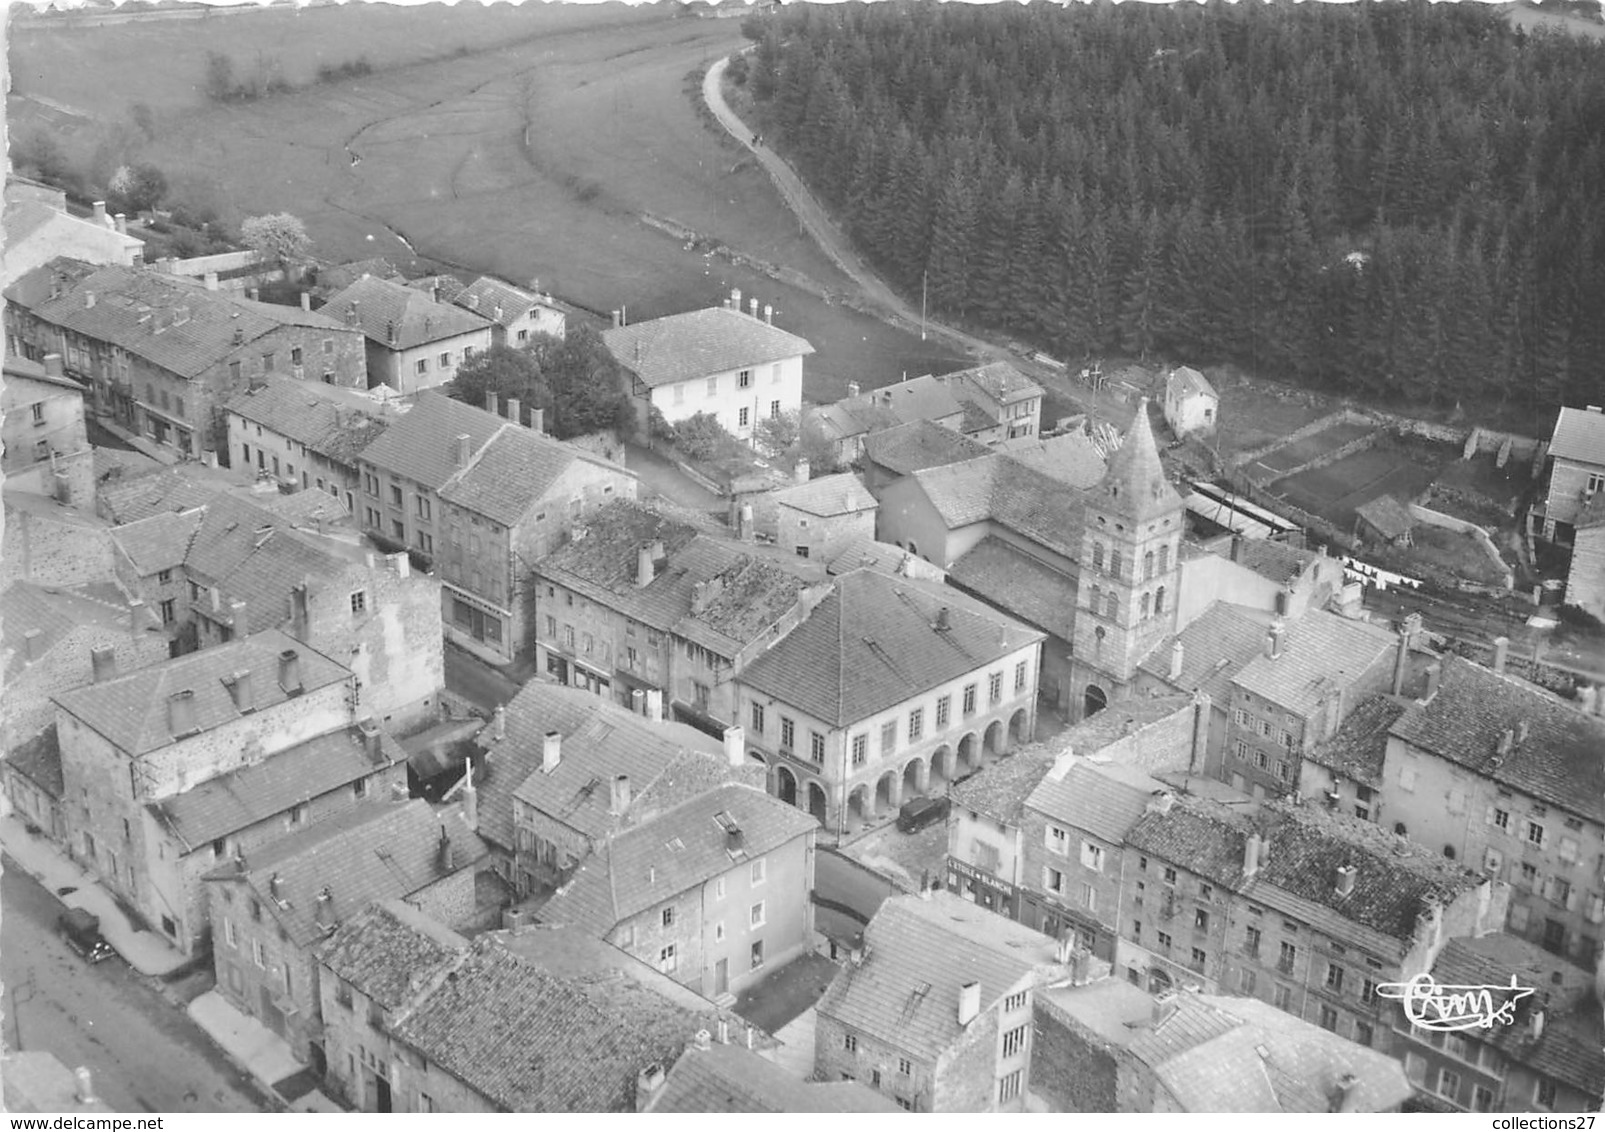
<point x="1301" y="452"/>
<point x="523" y="141"/>
<point x="1336" y="490"/>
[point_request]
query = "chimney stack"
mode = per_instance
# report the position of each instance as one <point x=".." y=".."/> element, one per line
<point x="1237" y="548"/>
<point x="122" y="224"/>
<point x="470" y="796"/>
<point x="498" y="723"/>
<point x="735" y="299"/>
<point x="1251" y="849"/>
<point x="390" y="332"/>
<point x="1345" y="880"/>
<point x="703" y="1040"/>
<point x="552" y="752"/>
<point x="645" y="569"/>
<point x="461" y="451"/>
<point x="290" y="672"/>
<point x="1176" y="660"/>
<point x="1407" y="636"/>
<point x="617" y="323"/>
<point x="300" y="612"/>
<point x="1434" y="676"/>
<point x="242" y="690"/>
<point x="372" y="739"/>
<point x="515" y="410"/>
<point x="735" y="746"/>
<point x="752" y="307"/>
<point x="1587" y="698"/>
<point x="638" y="702"/>
<point x="802" y="470"/>
<point x="944" y="620"/>
<point x="83" y="1082"/>
<point x="537" y="420"/>
<point x="1501" y="651"/>
<point x="621" y="795"/>
<point x="852" y="389"/>
<point x="1275" y="637"/>
<point x="102" y="662"/>
<point x="768" y="314"/>
<point x="210" y="279"/>
<point x="654" y="705"/>
<point x="647" y="1084"/>
<point x="54" y="366"/>
<point x="1164" y="1006"/>
<point x="100" y="214"/>
<point x="351" y="314"/>
<point x="306" y="301"/>
<point x="969" y="1002"/>
<point x="181" y="714"/>
<point x="493" y="404"/>
<point x="400" y="563"/>
<point x="744" y="524"/>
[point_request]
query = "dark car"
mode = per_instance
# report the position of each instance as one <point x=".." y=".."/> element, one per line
<point x="917" y="813"/>
<point x="81" y="929"/>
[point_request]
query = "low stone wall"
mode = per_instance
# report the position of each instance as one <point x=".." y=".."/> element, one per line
<point x="1320" y="424"/>
<point x="1448" y="522"/>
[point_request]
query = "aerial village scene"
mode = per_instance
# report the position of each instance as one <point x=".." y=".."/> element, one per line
<point x="784" y="558"/>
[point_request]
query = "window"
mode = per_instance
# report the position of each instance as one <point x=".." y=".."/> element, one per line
<point x="860" y="749"/>
<point x="916" y="724"/>
<point x="668" y="958"/>
<point x="875" y="1078"/>
<point x="759" y="872"/>
<point x="228" y="933"/>
<point x="1092" y="856"/>
<point x="1535" y="833"/>
<point x="1285" y="962"/>
<point x="359" y="788"/>
<point x="1164" y="941"/>
<point x="1252" y="942"/>
<point x="905" y="1066"/>
<point x="774" y="409"/>
<point x="1170" y="875"/>
<point x="679" y="394"/>
<point x="426" y="543"/>
<point x="850" y="1043"/>
<point x="1089" y="897"/>
<point x="422" y="366"/>
<point x="168" y="615"/>
<point x="445" y="360"/>
<point x="1334" y="978"/>
<point x="742" y="417"/>
<point x="788" y="733"/>
<point x="1245" y="981"/>
<point x="969" y="699"/>
<point x="1114" y="562"/>
<point x="944" y="711"/>
<point x="994" y="687"/>
<point x="267" y="363"/>
<point x="395" y="495"/>
<point x="256" y="954"/>
<point x="423" y="507"/>
<point x="1284" y="997"/>
<point x="718" y="889"/>
<point x="1014" y="1041"/>
<point x="755" y="915"/>
<point x="1019" y="676"/>
<point x="1053" y="880"/>
<point x="1482" y="1099"/>
<point x="1009" y="1086"/>
<point x="1200" y="920"/>
<point x="1097" y="556"/>
<point x="668" y="917"/>
<point x="888" y="737"/>
<point x="1329" y="1019"/>
<point x="816" y="747"/>
<point x="718" y="932"/>
<point x="359" y="601"/>
<point x="713" y="387"/>
<point x="1012" y="1003"/>
<point x="1368" y="991"/>
<point x="1544" y="1093"/>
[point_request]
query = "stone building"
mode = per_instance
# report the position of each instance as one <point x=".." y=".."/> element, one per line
<point x="46" y="447"/>
<point x="412" y="342"/>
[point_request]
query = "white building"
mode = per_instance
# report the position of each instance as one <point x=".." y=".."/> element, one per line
<point x="1191" y="403"/>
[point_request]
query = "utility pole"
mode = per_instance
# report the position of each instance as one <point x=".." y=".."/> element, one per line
<point x="925" y="279"/>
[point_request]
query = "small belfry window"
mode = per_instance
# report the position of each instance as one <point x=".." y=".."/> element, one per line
<point x="359" y="601"/>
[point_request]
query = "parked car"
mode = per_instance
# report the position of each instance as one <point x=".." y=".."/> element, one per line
<point x="917" y="813"/>
<point x="81" y="929"/>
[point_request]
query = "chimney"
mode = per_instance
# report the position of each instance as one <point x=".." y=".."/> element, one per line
<point x="400" y="563"/>
<point x="1341" y="1098"/>
<point x="290" y="672"/>
<point x="1434" y="675"/>
<point x="1501" y="649"/>
<point x="251" y="293"/>
<point x="1407" y="636"/>
<point x="1201" y="703"/>
<point x="621" y="795"/>
<point x="1237" y="548"/>
<point x="470" y="796"/>
<point x="944" y="620"/>
<point x="537" y="420"/>
<point x="752" y="307"/>
<point x="83" y="1085"/>
<point x="181" y="714"/>
<point x="460" y="452"/>
<point x="1251" y="849"/>
<point x="744" y="525"/>
<point x="654" y="705"/>
<point x="1522" y="728"/>
<point x="33" y="644"/>
<point x="749" y="1037"/>
<point x="1345" y="880"/>
<point x="802" y="470"/>
<point x="306" y="301"/>
<point x="210" y="279"/>
<point x="390" y="332"/>
<point x="735" y="299"/>
<point x="768" y="314"/>
<point x="644" y="568"/>
<point x="969" y="1002"/>
<point x="498" y="723"/>
<point x="638" y="702"/>
<point x="1535" y="1024"/>
<point x="1275" y="637"/>
<point x="616" y="322"/>
<point x="1264" y="851"/>
<point x="53" y="366"/>
<point x="1164" y="1006"/>
<point x="552" y="752"/>
<point x="1175" y="660"/>
<point x="122" y="224"/>
<point x="852" y="389"/>
<point x="89" y="300"/>
<point x="1587" y="699"/>
<point x="217" y="599"/>
<point x="647" y="1084"/>
<point x="703" y="1040"/>
<point x="100" y="214"/>
<point x="1161" y="802"/>
<point x="351" y="313"/>
<point x="735" y="739"/>
<point x="434" y="290"/>
<point x="699" y="597"/>
<point x="300" y="612"/>
<point x="240" y="689"/>
<point x="239" y="336"/>
<point x="102" y="662"/>
<point x="493" y="404"/>
<point x="445" y="855"/>
<point x="515" y="410"/>
<point x="372" y="739"/>
<point x="724" y="1031"/>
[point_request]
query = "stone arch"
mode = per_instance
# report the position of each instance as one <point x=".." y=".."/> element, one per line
<point x="913" y="548"/>
<point x="1159" y="980"/>
<point x="888" y="792"/>
<point x="1020" y="727"/>
<point x="818" y="802"/>
<point x="941" y="768"/>
<point x="969" y="754"/>
<point x="786" y="786"/>
<point x="1093" y="700"/>
<point x="916" y="777"/>
<point x="996" y="741"/>
<point x="860" y="807"/>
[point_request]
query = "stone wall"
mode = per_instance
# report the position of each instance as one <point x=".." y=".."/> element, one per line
<point x="1070" y="1070"/>
<point x="54" y="550"/>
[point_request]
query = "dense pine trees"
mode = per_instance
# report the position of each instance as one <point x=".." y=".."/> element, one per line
<point x="1395" y="200"/>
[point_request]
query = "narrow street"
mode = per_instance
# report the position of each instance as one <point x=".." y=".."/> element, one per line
<point x="475" y="681"/>
<point x="144" y="1053"/>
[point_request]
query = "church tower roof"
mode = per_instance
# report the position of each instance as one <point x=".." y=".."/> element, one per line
<point x="1134" y="487"/>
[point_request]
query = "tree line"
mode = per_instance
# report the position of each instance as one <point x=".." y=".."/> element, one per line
<point x="1397" y="201"/>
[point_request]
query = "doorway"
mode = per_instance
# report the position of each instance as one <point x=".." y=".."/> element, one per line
<point x="721" y="977"/>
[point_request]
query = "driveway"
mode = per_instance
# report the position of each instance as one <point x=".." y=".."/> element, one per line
<point x="659" y="476"/>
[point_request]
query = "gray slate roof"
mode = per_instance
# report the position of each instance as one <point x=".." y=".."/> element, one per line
<point x="1184" y="381"/>
<point x="1022" y="586"/>
<point x="872" y="643"/>
<point x="1103" y="799"/>
<point x="1322" y="652"/>
<point x="682" y="347"/>
<point x="1579" y="435"/>
<point x="1215" y="647"/>
<point x="313" y="414"/>
<point x="383" y="305"/>
<point x="159" y="542"/>
<point x="390" y="951"/>
<point x="732" y="1078"/>
<point x="421" y="446"/>
<point x="1014" y="495"/>
<point x="485" y="296"/>
<point x="908" y="448"/>
<point x="1360" y="746"/>
<point x="827" y="496"/>
<point x="39" y="761"/>
<point x="513" y="471"/>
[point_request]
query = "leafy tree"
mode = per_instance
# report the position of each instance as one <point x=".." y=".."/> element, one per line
<point x="220" y="84"/>
<point x="137" y="188"/>
<point x="279" y="236"/>
<point x="504" y="371"/>
<point x="41" y="153"/>
<point x="778" y="434"/>
<point x="700" y="436"/>
<point x="587" y="385"/>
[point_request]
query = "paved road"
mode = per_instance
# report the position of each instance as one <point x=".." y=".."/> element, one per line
<point x="474" y="680"/>
<point x="144" y="1053"/>
<point x="659" y="476"/>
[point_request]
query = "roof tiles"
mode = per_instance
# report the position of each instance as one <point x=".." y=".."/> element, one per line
<point x="1579" y="435"/>
<point x="390" y="951"/>
<point x="398" y="317"/>
<point x="422" y="445"/>
<point x="911" y="447"/>
<point x="698" y="344"/>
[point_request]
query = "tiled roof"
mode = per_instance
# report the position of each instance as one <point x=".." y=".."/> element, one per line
<point x="385" y="307"/>
<point x="1000" y="381"/>
<point x="529" y="1042"/>
<point x="390" y="951"/>
<point x="1215" y="647"/>
<point x="682" y="347"/>
<point x="512" y="472"/>
<point x="1005" y="576"/>
<point x="1073" y="458"/>
<point x="962" y="493"/>
<point x="1206" y="840"/>
<point x="331" y="279"/>
<point x="130" y="711"/>
<point x="1135" y="486"/>
<point x="917" y="445"/>
<point x="485" y="295"/>
<point x="131" y="499"/>
<point x="672" y="853"/>
<point x="129" y="305"/>
<point x="1184" y="381"/>
<point x="873" y="642"/>
<point x="312" y="880"/>
<point x="441" y="288"/>
<point x="1012" y="494"/>
<point x="1492" y="959"/>
<point x="39" y="761"/>
<point x="1559" y="760"/>
<point x="745" y="591"/>
<point x="1322" y="653"/>
<point x="600" y="741"/>
<point x="241" y="798"/>
<point x="918" y="953"/>
<point x="853" y="416"/>
<point x="316" y="415"/>
<point x="999" y="789"/>
<point x="1103" y="799"/>
<point x="1390" y="517"/>
<point x="1358" y="748"/>
<point x="422" y="445"/>
<point x="732" y="1078"/>
<point x="975" y="419"/>
<point x="1268" y="558"/>
<point x="840" y="494"/>
<point x="54" y="614"/>
<point x="1579" y="435"/>
<point x="920" y="399"/>
<point x="252" y="555"/>
<point x="883" y="556"/>
<point x="159" y="542"/>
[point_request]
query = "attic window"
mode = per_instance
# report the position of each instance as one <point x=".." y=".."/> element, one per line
<point x="676" y="845"/>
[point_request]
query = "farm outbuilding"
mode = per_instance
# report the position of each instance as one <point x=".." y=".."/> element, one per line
<point x="1385" y="518"/>
<point x="1191" y="403"/>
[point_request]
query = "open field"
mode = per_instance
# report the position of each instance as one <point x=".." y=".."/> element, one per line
<point x="1336" y="490"/>
<point x="1301" y="452"/>
<point x="533" y="156"/>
